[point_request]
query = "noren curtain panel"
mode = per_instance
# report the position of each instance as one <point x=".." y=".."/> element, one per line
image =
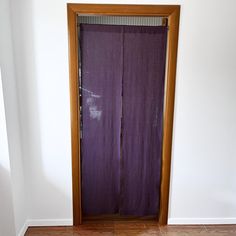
<point x="122" y="74"/>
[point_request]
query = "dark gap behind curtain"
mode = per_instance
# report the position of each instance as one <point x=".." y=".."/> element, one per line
<point x="143" y="96"/>
<point x="101" y="57"/>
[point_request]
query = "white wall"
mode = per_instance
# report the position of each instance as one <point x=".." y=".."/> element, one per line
<point x="7" y="223"/>
<point x="204" y="154"/>
<point x="203" y="186"/>
<point x="40" y="44"/>
<point x="12" y="122"/>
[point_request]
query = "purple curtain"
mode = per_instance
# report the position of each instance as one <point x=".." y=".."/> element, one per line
<point x="143" y="94"/>
<point x="101" y="57"/>
<point x="123" y="70"/>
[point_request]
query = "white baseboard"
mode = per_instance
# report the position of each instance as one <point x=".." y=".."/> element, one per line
<point x="23" y="229"/>
<point x="199" y="221"/>
<point x="44" y="222"/>
<point x="50" y="222"/>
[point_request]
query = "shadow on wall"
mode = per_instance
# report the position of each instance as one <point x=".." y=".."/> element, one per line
<point x="7" y="224"/>
<point x="47" y="160"/>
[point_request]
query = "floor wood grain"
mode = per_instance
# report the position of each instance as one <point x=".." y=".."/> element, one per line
<point x="130" y="228"/>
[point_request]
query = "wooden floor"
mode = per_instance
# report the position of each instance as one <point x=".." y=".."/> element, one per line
<point x="131" y="228"/>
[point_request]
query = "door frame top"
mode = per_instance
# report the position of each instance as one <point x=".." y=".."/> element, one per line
<point x="172" y="13"/>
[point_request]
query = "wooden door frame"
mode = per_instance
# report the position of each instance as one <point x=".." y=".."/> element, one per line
<point x="172" y="13"/>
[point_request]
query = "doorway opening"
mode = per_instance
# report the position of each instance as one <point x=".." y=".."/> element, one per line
<point x="120" y="16"/>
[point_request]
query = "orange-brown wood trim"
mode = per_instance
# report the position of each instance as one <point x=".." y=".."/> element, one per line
<point x="172" y="46"/>
<point x="75" y="118"/>
<point x="172" y="13"/>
